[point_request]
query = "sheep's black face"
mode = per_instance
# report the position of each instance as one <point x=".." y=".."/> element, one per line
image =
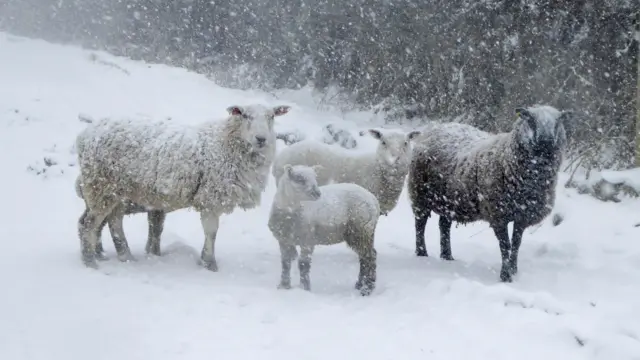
<point x="541" y="130"/>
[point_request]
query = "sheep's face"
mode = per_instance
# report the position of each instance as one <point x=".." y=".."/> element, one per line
<point x="394" y="148"/>
<point x="541" y="130"/>
<point x="300" y="183"/>
<point x="256" y="124"/>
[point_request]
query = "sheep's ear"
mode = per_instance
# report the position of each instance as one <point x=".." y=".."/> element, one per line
<point x="527" y="116"/>
<point x="412" y="135"/>
<point x="235" y="110"/>
<point x="566" y="115"/>
<point x="281" y="110"/>
<point x="375" y="133"/>
<point x="317" y="168"/>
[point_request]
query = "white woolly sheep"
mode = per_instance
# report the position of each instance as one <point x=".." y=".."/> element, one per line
<point x="155" y="218"/>
<point x="213" y="167"/>
<point x="383" y="173"/>
<point x="306" y="215"/>
<point x="342" y="137"/>
<point x="464" y="174"/>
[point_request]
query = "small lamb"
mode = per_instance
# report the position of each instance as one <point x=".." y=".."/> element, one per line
<point x="464" y="174"/>
<point x="383" y="172"/>
<point x="214" y="168"/>
<point x="304" y="214"/>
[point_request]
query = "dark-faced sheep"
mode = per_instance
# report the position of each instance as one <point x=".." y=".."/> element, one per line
<point x="306" y="215"/>
<point x="213" y="168"/>
<point x="465" y="175"/>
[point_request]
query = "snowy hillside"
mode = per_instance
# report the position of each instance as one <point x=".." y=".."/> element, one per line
<point x="577" y="295"/>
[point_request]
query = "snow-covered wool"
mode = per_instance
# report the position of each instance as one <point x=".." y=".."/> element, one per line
<point x="212" y="167"/>
<point x="383" y="172"/>
<point x="464" y="174"/>
<point x="155" y="219"/>
<point x="342" y="137"/>
<point x="305" y="214"/>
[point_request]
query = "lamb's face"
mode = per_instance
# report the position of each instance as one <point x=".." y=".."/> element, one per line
<point x="541" y="129"/>
<point x="256" y="124"/>
<point x="394" y="148"/>
<point x="300" y="183"/>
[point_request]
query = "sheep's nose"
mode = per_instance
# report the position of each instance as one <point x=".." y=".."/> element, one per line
<point x="316" y="193"/>
<point x="261" y="140"/>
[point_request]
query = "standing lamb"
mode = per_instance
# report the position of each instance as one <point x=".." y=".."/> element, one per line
<point x="306" y="215"/>
<point x="465" y="175"/>
<point x="212" y="167"/>
<point x="155" y="218"/>
<point x="383" y="173"/>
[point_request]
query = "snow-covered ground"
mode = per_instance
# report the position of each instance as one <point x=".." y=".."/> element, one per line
<point x="577" y="295"/>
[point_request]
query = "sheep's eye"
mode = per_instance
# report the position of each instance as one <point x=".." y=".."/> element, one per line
<point x="299" y="179"/>
<point x="406" y="143"/>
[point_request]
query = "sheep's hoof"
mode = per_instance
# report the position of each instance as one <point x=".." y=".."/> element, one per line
<point x="421" y="252"/>
<point x="90" y="262"/>
<point x="366" y="290"/>
<point x="210" y="265"/>
<point x="284" y="286"/>
<point x="505" y="276"/>
<point x="447" y="257"/>
<point x="100" y="256"/>
<point x="126" y="257"/>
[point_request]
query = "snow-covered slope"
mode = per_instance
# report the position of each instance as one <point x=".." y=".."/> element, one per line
<point x="577" y="295"/>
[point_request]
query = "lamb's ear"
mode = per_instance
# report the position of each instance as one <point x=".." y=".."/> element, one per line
<point x="235" y="110"/>
<point x="412" y="135"/>
<point x="281" y="110"/>
<point x="375" y="133"/>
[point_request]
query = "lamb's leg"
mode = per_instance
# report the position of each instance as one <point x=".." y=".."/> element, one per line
<point x="155" y="218"/>
<point x="117" y="234"/>
<point x="445" y="238"/>
<point x="88" y="226"/>
<point x="99" y="248"/>
<point x="502" y="233"/>
<point x="367" y="277"/>
<point x="210" y="223"/>
<point x="516" y="240"/>
<point x="287" y="254"/>
<point x="421" y="216"/>
<point x="304" y="265"/>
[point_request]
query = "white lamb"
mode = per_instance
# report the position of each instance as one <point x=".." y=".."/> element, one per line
<point x="382" y="173"/>
<point x="213" y="168"/>
<point x="306" y="215"/>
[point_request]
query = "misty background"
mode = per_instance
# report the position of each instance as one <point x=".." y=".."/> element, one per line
<point x="474" y="60"/>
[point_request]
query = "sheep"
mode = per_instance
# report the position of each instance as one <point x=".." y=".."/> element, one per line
<point x="305" y="214"/>
<point x="464" y="174"/>
<point x="212" y="167"/>
<point x="382" y="173"/>
<point x="155" y="219"/>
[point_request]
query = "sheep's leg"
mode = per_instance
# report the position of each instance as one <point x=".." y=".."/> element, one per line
<point x="88" y="226"/>
<point x="516" y="240"/>
<point x="445" y="238"/>
<point x="117" y="234"/>
<point x="502" y="233"/>
<point x="304" y="265"/>
<point x="99" y="248"/>
<point x="210" y="223"/>
<point x="287" y="254"/>
<point x="421" y="217"/>
<point x="155" y="218"/>
<point x="367" y="277"/>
